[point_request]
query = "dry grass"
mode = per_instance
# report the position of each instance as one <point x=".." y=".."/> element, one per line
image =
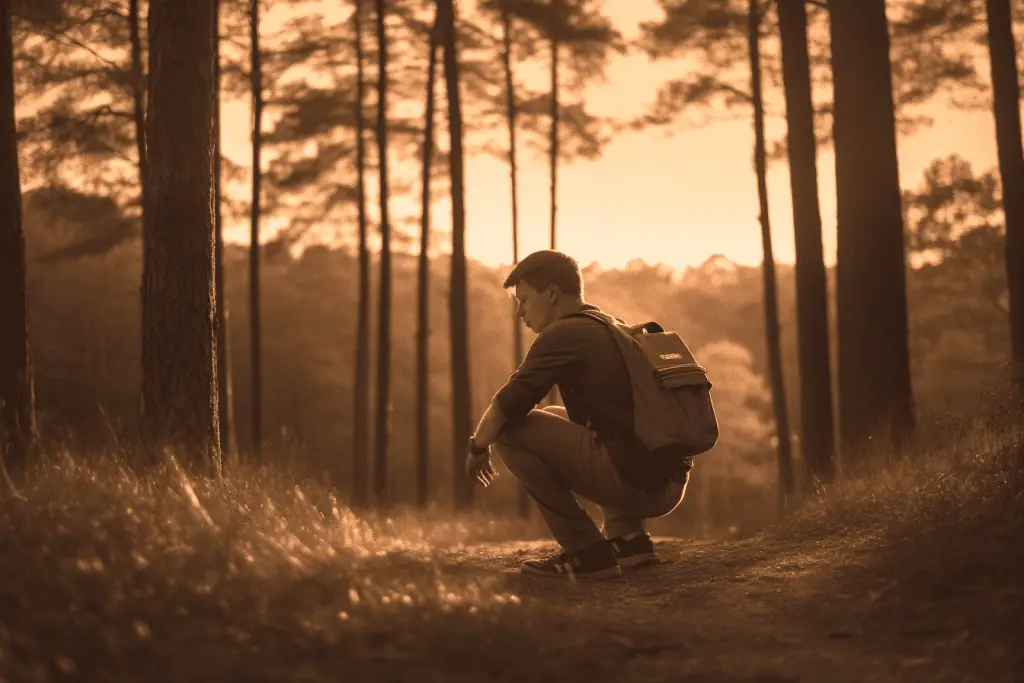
<point x="111" y="575"/>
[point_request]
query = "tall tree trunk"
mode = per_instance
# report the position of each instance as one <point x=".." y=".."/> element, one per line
<point x="255" y="332"/>
<point x="384" y="322"/>
<point x="1006" y="96"/>
<point x="17" y="404"/>
<point x="461" y="399"/>
<point x="226" y="412"/>
<point x="179" y="371"/>
<point x="556" y="27"/>
<point x="138" y="111"/>
<point x="771" y="306"/>
<point x="360" y="445"/>
<point x="423" y="309"/>
<point x="557" y="23"/>
<point x="818" y="443"/>
<point x="875" y="397"/>
<point x="510" y="104"/>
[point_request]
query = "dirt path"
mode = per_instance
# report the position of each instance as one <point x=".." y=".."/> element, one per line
<point x="727" y="612"/>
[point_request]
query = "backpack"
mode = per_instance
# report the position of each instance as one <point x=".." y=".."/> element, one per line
<point x="672" y="407"/>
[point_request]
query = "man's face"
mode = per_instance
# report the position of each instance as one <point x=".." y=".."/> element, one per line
<point x="537" y="309"/>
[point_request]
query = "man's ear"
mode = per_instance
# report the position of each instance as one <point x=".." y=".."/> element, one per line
<point x="553" y="293"/>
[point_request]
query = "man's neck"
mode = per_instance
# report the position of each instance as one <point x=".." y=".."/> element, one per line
<point x="571" y="307"/>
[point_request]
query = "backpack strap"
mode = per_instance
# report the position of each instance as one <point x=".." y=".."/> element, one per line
<point x="610" y="320"/>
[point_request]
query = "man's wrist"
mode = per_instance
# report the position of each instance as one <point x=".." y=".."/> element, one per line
<point x="475" y="449"/>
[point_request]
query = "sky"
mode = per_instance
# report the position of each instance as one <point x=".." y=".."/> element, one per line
<point x="672" y="196"/>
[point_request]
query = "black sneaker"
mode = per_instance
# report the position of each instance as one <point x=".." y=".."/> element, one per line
<point x="636" y="552"/>
<point x="594" y="563"/>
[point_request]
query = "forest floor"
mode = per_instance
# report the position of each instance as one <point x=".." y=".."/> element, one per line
<point x="912" y="575"/>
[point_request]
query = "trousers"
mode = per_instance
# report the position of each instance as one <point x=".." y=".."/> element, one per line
<point x="556" y="459"/>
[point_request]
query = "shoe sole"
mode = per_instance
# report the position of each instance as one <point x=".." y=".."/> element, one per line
<point x="640" y="560"/>
<point x="601" y="575"/>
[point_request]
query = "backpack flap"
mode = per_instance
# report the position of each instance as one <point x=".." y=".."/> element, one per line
<point x="674" y="366"/>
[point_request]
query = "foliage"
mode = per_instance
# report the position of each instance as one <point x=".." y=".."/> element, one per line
<point x="930" y="55"/>
<point x="84" y="315"/>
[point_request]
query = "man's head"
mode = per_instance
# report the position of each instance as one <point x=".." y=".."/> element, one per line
<point x="548" y="285"/>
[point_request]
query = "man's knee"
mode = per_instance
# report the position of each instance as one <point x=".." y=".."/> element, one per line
<point x="560" y="411"/>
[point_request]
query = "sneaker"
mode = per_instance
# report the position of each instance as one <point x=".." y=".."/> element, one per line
<point x="594" y="563"/>
<point x="636" y="552"/>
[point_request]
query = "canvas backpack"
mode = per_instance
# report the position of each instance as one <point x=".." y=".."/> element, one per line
<point x="672" y="405"/>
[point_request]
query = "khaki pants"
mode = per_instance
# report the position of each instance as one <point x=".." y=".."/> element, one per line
<point x="554" y="458"/>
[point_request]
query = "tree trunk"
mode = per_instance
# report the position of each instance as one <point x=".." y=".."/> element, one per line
<point x="361" y="412"/>
<point x="255" y="332"/>
<point x="17" y="405"/>
<point x="179" y="382"/>
<point x="225" y="392"/>
<point x="138" y="112"/>
<point x="458" y="295"/>
<point x="423" y="311"/>
<point x="557" y="22"/>
<point x="1006" y="96"/>
<point x="555" y="28"/>
<point x="510" y="101"/>
<point x="771" y="306"/>
<point x="818" y="443"/>
<point x="384" y="322"/>
<point x="875" y="397"/>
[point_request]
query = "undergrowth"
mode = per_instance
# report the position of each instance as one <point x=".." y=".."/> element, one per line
<point x="105" y="568"/>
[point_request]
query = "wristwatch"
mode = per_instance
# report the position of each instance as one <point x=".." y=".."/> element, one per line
<point x="474" y="449"/>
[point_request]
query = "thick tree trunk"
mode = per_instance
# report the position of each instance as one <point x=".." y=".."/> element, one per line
<point x="818" y="443"/>
<point x="17" y="404"/>
<point x="361" y="402"/>
<point x="510" y="105"/>
<point x="1006" y="96"/>
<point x="255" y="318"/>
<point x="383" y="433"/>
<point x="423" y="309"/>
<point x="458" y="296"/>
<point x="179" y="382"/>
<point x="225" y="392"/>
<point x="875" y="397"/>
<point x="771" y="305"/>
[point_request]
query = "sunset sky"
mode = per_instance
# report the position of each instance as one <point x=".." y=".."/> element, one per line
<point x="671" y="196"/>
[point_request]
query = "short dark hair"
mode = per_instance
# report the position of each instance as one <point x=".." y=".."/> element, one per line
<point x="548" y="267"/>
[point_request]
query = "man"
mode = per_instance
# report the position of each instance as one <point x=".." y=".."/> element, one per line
<point x="586" y="448"/>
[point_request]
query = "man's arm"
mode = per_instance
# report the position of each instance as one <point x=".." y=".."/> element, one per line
<point x="551" y="356"/>
<point x="490" y="425"/>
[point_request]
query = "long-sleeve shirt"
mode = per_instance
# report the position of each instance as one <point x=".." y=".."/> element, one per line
<point x="580" y="356"/>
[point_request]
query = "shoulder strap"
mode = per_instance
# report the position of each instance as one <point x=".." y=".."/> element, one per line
<point x="601" y="316"/>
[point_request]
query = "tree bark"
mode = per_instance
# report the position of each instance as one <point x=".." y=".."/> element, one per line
<point x="138" y="111"/>
<point x="255" y="317"/>
<point x="225" y="392"/>
<point x="461" y="399"/>
<point x="771" y="306"/>
<point x="875" y="397"/>
<point x="179" y="382"/>
<point x="1006" y="107"/>
<point x="360" y="445"/>
<point x="556" y="27"/>
<point x="423" y="309"/>
<point x="383" y="433"/>
<point x="17" y="401"/>
<point x="818" y="443"/>
<point x="510" y="105"/>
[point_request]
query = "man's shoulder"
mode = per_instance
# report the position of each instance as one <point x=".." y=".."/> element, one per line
<point x="574" y="321"/>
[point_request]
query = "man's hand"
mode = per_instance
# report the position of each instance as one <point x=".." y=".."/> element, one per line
<point x="478" y="468"/>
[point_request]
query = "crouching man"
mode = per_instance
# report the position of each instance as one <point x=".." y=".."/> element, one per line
<point x="589" y="447"/>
